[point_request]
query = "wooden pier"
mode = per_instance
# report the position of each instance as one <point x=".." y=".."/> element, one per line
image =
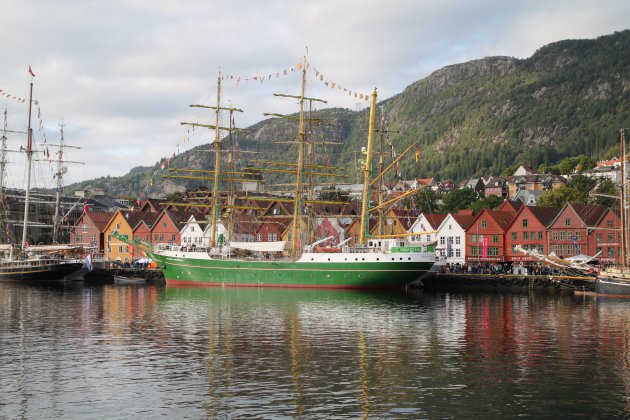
<point x="507" y="282"/>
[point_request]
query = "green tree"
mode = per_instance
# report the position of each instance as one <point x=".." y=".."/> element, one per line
<point x="426" y="200"/>
<point x="458" y="199"/>
<point x="557" y="197"/>
<point x="490" y="202"/>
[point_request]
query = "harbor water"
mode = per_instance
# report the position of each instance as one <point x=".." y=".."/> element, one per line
<point x="127" y="351"/>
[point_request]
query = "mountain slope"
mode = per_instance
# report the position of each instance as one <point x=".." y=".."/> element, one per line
<point x="470" y="119"/>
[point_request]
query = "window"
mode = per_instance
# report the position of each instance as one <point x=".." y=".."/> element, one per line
<point x="274" y="237"/>
<point x="156" y="237"/>
<point x="525" y="235"/>
<point x="120" y="249"/>
<point x="610" y="237"/>
<point x="524" y="222"/>
<point x="611" y="252"/>
<point x="457" y="240"/>
<point x="192" y="228"/>
<point x="473" y="238"/>
<point x="563" y="235"/>
<point x="484" y="223"/>
<point x="85" y="226"/>
<point x="458" y="252"/>
<point x="495" y="239"/>
<point x="578" y="235"/>
<point x="473" y="250"/>
<point x="173" y="237"/>
<point x="442" y="240"/>
<point x="259" y="237"/>
<point x="493" y="251"/>
<point x="514" y="236"/>
<point x="554" y="235"/>
<point x="117" y="226"/>
<point x="567" y="222"/>
<point x="268" y="237"/>
<point x="164" y="224"/>
<point x="609" y="223"/>
<point x="540" y="234"/>
<point x="598" y="237"/>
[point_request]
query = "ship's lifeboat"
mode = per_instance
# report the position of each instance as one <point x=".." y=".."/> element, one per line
<point x="327" y="249"/>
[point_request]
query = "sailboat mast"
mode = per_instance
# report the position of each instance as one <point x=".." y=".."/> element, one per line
<point x="56" y="220"/>
<point x="3" y="161"/>
<point x="366" y="171"/>
<point x="300" y="170"/>
<point x="217" y="164"/>
<point x="623" y="214"/>
<point x="29" y="157"/>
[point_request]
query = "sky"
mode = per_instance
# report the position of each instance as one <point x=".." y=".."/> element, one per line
<point x="120" y="74"/>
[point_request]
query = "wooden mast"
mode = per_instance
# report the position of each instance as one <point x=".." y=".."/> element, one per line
<point x="217" y="164"/>
<point x="299" y="171"/>
<point x="623" y="214"/>
<point x="217" y="158"/>
<point x="29" y="157"/>
<point x="366" y="172"/>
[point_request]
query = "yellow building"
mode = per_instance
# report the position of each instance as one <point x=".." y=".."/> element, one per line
<point x="115" y="249"/>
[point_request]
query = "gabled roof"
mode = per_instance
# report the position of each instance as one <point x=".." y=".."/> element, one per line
<point x="590" y="214"/>
<point x="501" y="218"/>
<point x="100" y="219"/>
<point x="464" y="220"/>
<point x="435" y="219"/>
<point x="405" y="217"/>
<point x="510" y="205"/>
<point x="545" y="215"/>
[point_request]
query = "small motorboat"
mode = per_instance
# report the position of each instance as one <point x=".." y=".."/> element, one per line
<point x="129" y="280"/>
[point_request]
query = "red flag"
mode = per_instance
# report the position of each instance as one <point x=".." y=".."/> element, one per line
<point x="30" y="71"/>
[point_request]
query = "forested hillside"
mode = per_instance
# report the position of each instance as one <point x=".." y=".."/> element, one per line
<point x="471" y="119"/>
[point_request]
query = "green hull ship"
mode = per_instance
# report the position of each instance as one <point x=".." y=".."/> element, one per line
<point x="367" y="268"/>
<point x="371" y="268"/>
<point x="373" y="263"/>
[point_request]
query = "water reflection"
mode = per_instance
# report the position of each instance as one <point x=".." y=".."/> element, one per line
<point x="137" y="351"/>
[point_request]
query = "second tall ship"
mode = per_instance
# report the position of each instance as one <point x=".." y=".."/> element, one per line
<point x="373" y="262"/>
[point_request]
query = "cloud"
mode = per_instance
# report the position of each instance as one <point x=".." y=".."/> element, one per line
<point x="122" y="74"/>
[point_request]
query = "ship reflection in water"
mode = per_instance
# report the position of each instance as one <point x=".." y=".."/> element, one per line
<point x="143" y="351"/>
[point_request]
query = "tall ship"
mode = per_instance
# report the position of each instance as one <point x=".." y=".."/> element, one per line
<point x="373" y="262"/>
<point x="615" y="280"/>
<point x="26" y="262"/>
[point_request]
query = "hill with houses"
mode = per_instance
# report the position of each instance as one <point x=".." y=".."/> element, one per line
<point x="469" y="120"/>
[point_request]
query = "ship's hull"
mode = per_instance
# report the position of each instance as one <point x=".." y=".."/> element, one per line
<point x="343" y="270"/>
<point x="37" y="272"/>
<point x="610" y="285"/>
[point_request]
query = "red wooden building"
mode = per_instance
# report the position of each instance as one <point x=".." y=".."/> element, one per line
<point x="88" y="230"/>
<point x="529" y="230"/>
<point x="485" y="237"/>
<point x="168" y="225"/>
<point x="606" y="238"/>
<point x="569" y="231"/>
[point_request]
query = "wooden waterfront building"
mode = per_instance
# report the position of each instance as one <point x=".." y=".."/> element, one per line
<point x="485" y="237"/>
<point x="570" y="229"/>
<point x="529" y="230"/>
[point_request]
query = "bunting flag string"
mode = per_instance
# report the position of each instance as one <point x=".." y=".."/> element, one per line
<point x="261" y="78"/>
<point x="11" y="96"/>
